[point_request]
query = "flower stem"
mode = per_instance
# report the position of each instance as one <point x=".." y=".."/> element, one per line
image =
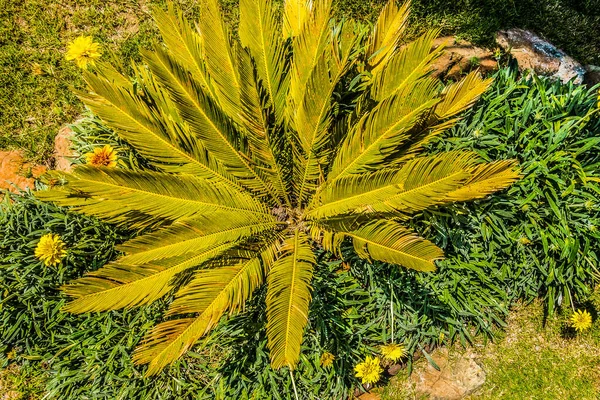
<point x="392" y="310"/>
<point x="294" y="384"/>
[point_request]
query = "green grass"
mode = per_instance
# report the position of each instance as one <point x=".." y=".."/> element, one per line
<point x="571" y="25"/>
<point x="33" y="35"/>
<point x="531" y="359"/>
<point x="36" y="81"/>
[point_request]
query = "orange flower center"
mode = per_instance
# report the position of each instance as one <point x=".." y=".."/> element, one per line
<point x="102" y="158"/>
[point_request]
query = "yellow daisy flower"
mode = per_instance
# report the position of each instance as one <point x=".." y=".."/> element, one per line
<point x="50" y="249"/>
<point x="327" y="360"/>
<point x="102" y="157"/>
<point x="84" y="51"/>
<point x="369" y="370"/>
<point x="392" y="351"/>
<point x="524" y="241"/>
<point x="581" y="320"/>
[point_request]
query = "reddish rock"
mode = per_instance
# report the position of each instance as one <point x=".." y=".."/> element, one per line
<point x="461" y="57"/>
<point x="369" y="396"/>
<point x="394" y="369"/>
<point x="488" y="64"/>
<point x="17" y="174"/>
<point x="457" y="378"/>
<point x="62" y="150"/>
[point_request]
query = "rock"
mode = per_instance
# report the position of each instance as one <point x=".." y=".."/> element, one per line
<point x="15" y="173"/>
<point x="592" y="75"/>
<point x="62" y="150"/>
<point x="394" y="369"/>
<point x="461" y="57"/>
<point x="417" y="355"/>
<point x="369" y="396"/>
<point x="457" y="378"/>
<point x="535" y="54"/>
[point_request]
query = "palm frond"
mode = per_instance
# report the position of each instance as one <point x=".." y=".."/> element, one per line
<point x="403" y="69"/>
<point x="184" y="43"/>
<point x="260" y="32"/>
<point x="487" y="179"/>
<point x="307" y="49"/>
<point x="358" y="184"/>
<point x="409" y="64"/>
<point x="265" y="142"/>
<point x="288" y="297"/>
<point x="186" y="236"/>
<point x="313" y="118"/>
<point x="419" y="140"/>
<point x="462" y="95"/>
<point x="159" y="195"/>
<point x="119" y="285"/>
<point x="418" y="184"/>
<point x="455" y="99"/>
<point x="212" y="293"/>
<point x="205" y="119"/>
<point x="166" y="145"/>
<point x="387" y="34"/>
<point x="388" y="241"/>
<point x="295" y="15"/>
<point x="380" y="132"/>
<point x="220" y="57"/>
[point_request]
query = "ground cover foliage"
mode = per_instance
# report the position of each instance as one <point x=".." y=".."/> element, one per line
<point x="538" y="238"/>
<point x="307" y="133"/>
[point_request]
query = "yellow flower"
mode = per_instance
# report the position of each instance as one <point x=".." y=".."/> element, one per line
<point x="50" y="249"/>
<point x="524" y="241"/>
<point x="392" y="351"/>
<point x="84" y="51"/>
<point x="327" y="359"/>
<point x="369" y="370"/>
<point x="581" y="320"/>
<point x="102" y="157"/>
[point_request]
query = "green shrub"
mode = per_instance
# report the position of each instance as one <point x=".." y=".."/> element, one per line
<point x="82" y="356"/>
<point x="546" y="125"/>
<point x="87" y="356"/>
<point x="541" y="235"/>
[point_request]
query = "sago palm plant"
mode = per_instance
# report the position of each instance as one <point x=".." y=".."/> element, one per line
<point x="304" y="133"/>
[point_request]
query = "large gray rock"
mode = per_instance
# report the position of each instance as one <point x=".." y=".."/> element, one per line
<point x="534" y="53"/>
